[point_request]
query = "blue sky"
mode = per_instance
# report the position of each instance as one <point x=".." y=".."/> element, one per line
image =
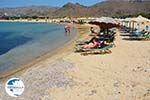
<point x="18" y="3"/>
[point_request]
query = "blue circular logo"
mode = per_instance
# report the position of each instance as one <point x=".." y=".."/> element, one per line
<point x="14" y="87"/>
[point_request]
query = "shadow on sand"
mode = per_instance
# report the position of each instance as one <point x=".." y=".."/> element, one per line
<point x="132" y="39"/>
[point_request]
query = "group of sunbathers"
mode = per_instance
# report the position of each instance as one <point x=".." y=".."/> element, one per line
<point x="98" y="43"/>
<point x="94" y="42"/>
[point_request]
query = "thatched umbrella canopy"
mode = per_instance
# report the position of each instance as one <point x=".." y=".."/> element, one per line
<point x="127" y="22"/>
<point x="141" y="19"/>
<point x="105" y="23"/>
<point x="106" y="20"/>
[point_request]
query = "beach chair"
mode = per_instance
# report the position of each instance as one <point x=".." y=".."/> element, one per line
<point x="137" y="33"/>
<point x="108" y="38"/>
<point x="143" y="36"/>
<point x="101" y="50"/>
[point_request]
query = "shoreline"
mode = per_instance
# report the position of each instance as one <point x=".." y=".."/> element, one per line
<point x="69" y="75"/>
<point x="50" y="55"/>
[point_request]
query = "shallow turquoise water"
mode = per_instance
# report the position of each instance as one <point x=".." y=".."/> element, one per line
<point x="21" y="43"/>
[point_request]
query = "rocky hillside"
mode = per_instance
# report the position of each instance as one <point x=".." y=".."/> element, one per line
<point x="28" y="11"/>
<point x="71" y="9"/>
<point x="119" y="8"/>
<point x="106" y="8"/>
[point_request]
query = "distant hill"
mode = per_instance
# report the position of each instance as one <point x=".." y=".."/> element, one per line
<point x="70" y="9"/>
<point x="120" y="8"/>
<point x="105" y="8"/>
<point x="28" y="11"/>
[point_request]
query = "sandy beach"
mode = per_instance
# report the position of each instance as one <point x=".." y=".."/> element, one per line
<point x="122" y="75"/>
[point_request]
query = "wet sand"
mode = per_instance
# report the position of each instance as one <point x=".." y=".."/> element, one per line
<point x="122" y="75"/>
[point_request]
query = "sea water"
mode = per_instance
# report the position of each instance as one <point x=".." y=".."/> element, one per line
<point x="20" y="43"/>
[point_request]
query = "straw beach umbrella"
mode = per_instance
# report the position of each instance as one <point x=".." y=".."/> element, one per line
<point x="105" y="23"/>
<point x="106" y="20"/>
<point x="128" y="22"/>
<point x="140" y="20"/>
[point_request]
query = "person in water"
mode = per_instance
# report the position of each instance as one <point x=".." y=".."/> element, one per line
<point x="67" y="29"/>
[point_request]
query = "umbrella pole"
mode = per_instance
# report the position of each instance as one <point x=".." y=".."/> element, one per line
<point x="132" y="27"/>
<point x="129" y="26"/>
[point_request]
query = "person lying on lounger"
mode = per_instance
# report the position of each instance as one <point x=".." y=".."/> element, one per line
<point x="94" y="44"/>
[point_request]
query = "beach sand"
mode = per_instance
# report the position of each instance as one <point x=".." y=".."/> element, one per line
<point x="122" y="75"/>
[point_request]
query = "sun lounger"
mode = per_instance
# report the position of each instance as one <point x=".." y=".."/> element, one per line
<point x="101" y="50"/>
<point x="137" y="33"/>
<point x="145" y="36"/>
<point x="108" y="39"/>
